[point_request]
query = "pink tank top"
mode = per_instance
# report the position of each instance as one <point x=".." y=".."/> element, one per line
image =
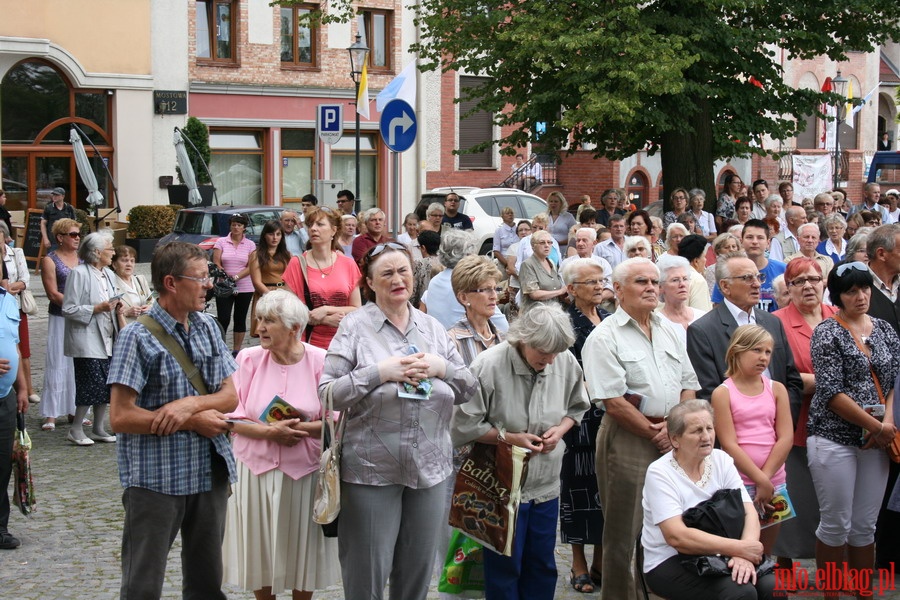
<point x="754" y="425"/>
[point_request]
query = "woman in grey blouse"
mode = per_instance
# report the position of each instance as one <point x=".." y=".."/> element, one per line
<point x="531" y="393"/>
<point x="396" y="374"/>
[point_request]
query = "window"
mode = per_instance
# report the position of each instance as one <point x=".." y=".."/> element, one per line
<point x="216" y="30"/>
<point x="375" y="28"/>
<point x="343" y="167"/>
<point x="299" y="43"/>
<point x="474" y="128"/>
<point x="237" y="166"/>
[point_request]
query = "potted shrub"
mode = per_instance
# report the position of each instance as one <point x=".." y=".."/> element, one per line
<point x="146" y="225"/>
<point x="198" y="134"/>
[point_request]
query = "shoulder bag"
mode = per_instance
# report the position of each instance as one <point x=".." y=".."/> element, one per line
<point x="327" y="502"/>
<point x="27" y="303"/>
<point x="893" y="449"/>
<point x="177" y="352"/>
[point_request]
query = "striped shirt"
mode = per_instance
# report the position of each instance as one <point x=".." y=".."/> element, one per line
<point x="177" y="464"/>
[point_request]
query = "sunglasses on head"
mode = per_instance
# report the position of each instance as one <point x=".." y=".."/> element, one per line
<point x="381" y="247"/>
<point x="855" y="265"/>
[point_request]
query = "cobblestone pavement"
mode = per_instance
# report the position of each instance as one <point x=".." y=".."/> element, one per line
<point x="71" y="543"/>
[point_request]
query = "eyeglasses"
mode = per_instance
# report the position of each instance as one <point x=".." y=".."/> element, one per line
<point x="678" y="280"/>
<point x="855" y="265"/>
<point x="451" y="200"/>
<point x="592" y="282"/>
<point x="200" y="280"/>
<point x="488" y="290"/>
<point x="802" y="281"/>
<point x="74" y="234"/>
<point x="380" y="248"/>
<point x="344" y="201"/>
<point x="749" y="278"/>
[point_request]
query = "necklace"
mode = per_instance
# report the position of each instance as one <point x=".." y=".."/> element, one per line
<point x="321" y="270"/>
<point x="486" y="340"/>
<point x="704" y="479"/>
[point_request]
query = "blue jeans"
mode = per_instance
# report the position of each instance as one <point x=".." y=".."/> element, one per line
<point x="530" y="573"/>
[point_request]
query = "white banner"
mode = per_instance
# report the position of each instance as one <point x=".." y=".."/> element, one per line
<point x="812" y="174"/>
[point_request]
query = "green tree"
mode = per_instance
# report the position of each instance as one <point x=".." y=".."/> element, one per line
<point x="695" y="80"/>
<point x="198" y="133"/>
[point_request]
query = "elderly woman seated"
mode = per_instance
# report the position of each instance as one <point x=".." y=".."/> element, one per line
<point x="691" y="473"/>
<point x="637" y="245"/>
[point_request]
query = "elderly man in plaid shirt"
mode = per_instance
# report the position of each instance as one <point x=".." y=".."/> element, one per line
<point x="175" y="461"/>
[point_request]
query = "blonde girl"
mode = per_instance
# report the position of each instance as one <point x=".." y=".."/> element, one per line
<point x="753" y="419"/>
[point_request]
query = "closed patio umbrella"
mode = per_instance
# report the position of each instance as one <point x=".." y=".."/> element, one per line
<point x="95" y="198"/>
<point x="187" y="170"/>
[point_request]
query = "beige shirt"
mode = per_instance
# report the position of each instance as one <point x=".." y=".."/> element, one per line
<point x="618" y="357"/>
<point x="514" y="397"/>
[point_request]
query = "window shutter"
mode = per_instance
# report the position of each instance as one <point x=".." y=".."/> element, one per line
<point x="473" y="129"/>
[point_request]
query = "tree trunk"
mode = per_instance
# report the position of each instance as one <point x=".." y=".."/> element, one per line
<point x="687" y="159"/>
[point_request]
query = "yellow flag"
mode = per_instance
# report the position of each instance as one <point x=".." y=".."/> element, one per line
<point x="849" y="108"/>
<point x="362" y="100"/>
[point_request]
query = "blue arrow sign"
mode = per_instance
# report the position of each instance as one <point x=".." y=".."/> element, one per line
<point x="398" y="125"/>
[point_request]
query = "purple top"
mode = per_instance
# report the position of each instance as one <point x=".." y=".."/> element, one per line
<point x="62" y="274"/>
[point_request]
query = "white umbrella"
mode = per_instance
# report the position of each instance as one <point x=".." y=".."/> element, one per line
<point x="187" y="170"/>
<point x="95" y="198"/>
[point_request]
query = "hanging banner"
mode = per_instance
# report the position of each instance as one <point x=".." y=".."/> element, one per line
<point x="812" y="174"/>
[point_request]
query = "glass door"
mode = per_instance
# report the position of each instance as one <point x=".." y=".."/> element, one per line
<point x="296" y="176"/>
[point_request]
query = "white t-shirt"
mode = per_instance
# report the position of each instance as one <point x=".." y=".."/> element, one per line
<point x="668" y="493"/>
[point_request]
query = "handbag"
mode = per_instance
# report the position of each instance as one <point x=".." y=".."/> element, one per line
<point x="327" y="501"/>
<point x="27" y="303"/>
<point x="721" y="515"/>
<point x="893" y="448"/>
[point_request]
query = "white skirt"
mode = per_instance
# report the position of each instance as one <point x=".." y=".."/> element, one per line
<point x="58" y="393"/>
<point x="271" y="539"/>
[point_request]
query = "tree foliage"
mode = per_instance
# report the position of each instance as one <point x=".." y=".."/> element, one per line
<point x="626" y="75"/>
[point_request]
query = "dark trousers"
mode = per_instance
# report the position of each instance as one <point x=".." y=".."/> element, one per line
<point x="241" y="304"/>
<point x="8" y="411"/>
<point x="675" y="583"/>
<point x="530" y="573"/>
<point x="152" y="520"/>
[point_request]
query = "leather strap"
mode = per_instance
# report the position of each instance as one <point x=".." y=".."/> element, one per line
<point x="859" y="345"/>
<point x="176" y="350"/>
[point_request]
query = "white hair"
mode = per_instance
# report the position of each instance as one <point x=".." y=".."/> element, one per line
<point x="623" y="269"/>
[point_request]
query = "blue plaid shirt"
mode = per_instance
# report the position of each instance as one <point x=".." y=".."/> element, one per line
<point x="177" y="464"/>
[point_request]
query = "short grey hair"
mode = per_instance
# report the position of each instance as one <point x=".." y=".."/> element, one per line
<point x="834" y="218"/>
<point x="772" y="199"/>
<point x="675" y="419"/>
<point x="93" y="244"/>
<point x="815" y="225"/>
<point x="779" y="284"/>
<point x="576" y="266"/>
<point x="623" y="269"/>
<point x="722" y="238"/>
<point x="695" y="193"/>
<point x="633" y="241"/>
<point x="590" y="230"/>
<point x="674" y="226"/>
<point x="542" y="327"/>
<point x="537" y="236"/>
<point x="455" y="245"/>
<point x="857" y="242"/>
<point x="885" y="237"/>
<point x="723" y="271"/>
<point x="667" y="262"/>
<point x="435" y="207"/>
<point x="285" y="307"/>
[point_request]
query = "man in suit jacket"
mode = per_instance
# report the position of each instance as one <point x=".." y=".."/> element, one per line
<point x="709" y="336"/>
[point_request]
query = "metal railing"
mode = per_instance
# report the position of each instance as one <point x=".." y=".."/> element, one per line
<point x="540" y="169"/>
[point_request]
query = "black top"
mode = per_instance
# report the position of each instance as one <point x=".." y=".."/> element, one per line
<point x="460" y="221"/>
<point x="53" y="214"/>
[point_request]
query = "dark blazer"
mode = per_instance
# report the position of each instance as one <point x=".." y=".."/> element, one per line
<point x="707" y="342"/>
<point x="881" y="306"/>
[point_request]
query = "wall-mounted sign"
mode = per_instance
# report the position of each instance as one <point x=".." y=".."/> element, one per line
<point x="170" y="102"/>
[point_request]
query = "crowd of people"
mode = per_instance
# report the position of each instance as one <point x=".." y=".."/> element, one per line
<point x="615" y="346"/>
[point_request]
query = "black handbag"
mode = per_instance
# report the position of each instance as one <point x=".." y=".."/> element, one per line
<point x="721" y="515"/>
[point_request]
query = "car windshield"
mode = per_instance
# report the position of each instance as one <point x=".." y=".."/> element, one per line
<point x="194" y="222"/>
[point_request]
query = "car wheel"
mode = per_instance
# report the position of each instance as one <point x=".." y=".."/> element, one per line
<point x="487" y="248"/>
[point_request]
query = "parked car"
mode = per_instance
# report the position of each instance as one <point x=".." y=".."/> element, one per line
<point x="203" y="225"/>
<point x="483" y="205"/>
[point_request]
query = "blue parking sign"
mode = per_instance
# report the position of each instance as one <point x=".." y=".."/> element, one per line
<point x="330" y="122"/>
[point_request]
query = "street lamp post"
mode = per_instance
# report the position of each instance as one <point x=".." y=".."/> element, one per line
<point x="839" y="85"/>
<point x="359" y="53"/>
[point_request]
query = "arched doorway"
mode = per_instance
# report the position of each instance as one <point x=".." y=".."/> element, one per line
<point x="638" y="189"/>
<point x="39" y="106"/>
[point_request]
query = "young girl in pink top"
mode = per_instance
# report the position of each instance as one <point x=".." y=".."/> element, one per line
<point x="753" y="419"/>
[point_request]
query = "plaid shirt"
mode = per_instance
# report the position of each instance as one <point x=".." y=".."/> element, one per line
<point x="177" y="464"/>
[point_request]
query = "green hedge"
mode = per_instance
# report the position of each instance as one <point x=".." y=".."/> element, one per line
<point x="151" y="221"/>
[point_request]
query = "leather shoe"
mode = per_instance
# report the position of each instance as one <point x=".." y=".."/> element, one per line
<point x="79" y="441"/>
<point x="104" y="437"/>
<point x="8" y="541"/>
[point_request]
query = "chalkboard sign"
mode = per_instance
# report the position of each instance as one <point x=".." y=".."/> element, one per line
<point x="31" y="247"/>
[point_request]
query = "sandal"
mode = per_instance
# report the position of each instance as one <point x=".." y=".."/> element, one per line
<point x="596" y="576"/>
<point x="48" y="426"/>
<point x="581" y="583"/>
